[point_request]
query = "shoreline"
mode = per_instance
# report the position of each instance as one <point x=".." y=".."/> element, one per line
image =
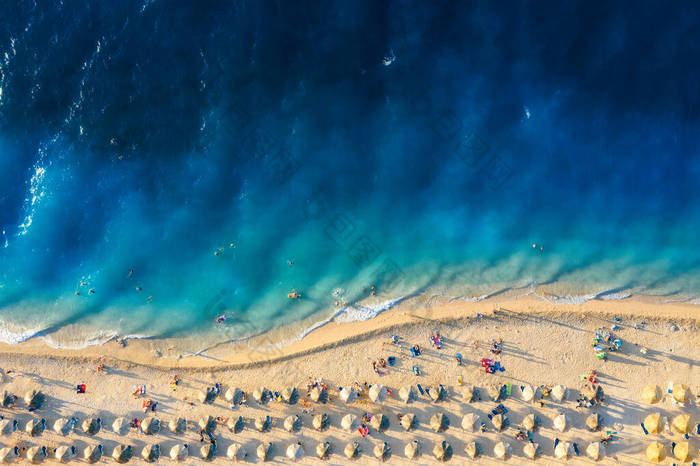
<point x="276" y="345"/>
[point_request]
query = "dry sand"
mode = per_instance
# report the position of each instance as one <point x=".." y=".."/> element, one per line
<point x="543" y="345"/>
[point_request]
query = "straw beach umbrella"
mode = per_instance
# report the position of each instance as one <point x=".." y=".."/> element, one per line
<point x="380" y="422"/>
<point x="348" y="395"/>
<point x="208" y="451"/>
<point x="407" y="393"/>
<point x="93" y="453"/>
<point x="348" y="422"/>
<point x="35" y="427"/>
<point x="593" y="451"/>
<point x="408" y="421"/>
<point x="207" y="424"/>
<point x="8" y="399"/>
<point x="64" y="453"/>
<point x="528" y="393"/>
<point x="236" y="452"/>
<point x="37" y="454"/>
<point x="323" y="449"/>
<point x="437" y="393"/>
<point x="468" y="393"/>
<point x="412" y="449"/>
<point x="235" y="424"/>
<point x="8" y="454"/>
<point x="560" y="422"/>
<point x="7" y="426"/>
<point x="497" y="421"/>
<point x="292" y="423"/>
<point x="263" y="451"/>
<point x="92" y="425"/>
<point x="122" y="453"/>
<point x="179" y="452"/>
<point x="530" y="422"/>
<point x="650" y="394"/>
<point x="382" y="451"/>
<point x="681" y="423"/>
<point x="34" y="399"/>
<point x="263" y="423"/>
<point x="150" y="426"/>
<point x="471" y="449"/>
<point x="680" y="393"/>
<point x="530" y="450"/>
<point x="562" y="450"/>
<point x="320" y="421"/>
<point x="469" y="421"/>
<point x="64" y="426"/>
<point x="653" y="423"/>
<point x="151" y="453"/>
<point x="559" y="392"/>
<point x="351" y="450"/>
<point x="656" y="452"/>
<point x="494" y="391"/>
<point x="377" y="393"/>
<point x="439" y="422"/>
<point x="501" y="450"/>
<point x="317" y="394"/>
<point x="177" y="425"/>
<point x="289" y="395"/>
<point x="682" y="451"/>
<point x="442" y="451"/>
<point x="260" y="394"/>
<point x="295" y="451"/>
<point x="593" y="422"/>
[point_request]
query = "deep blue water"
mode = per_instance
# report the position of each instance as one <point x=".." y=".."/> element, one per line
<point x="421" y="147"/>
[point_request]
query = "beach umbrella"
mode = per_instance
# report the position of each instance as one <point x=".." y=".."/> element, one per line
<point x="177" y="425"/>
<point x="207" y="396"/>
<point x="260" y="394"/>
<point x="36" y="454"/>
<point x="497" y="421"/>
<point x="408" y="421"/>
<point x="122" y="453"/>
<point x="442" y="451"/>
<point x="412" y="449"/>
<point x="682" y="451"/>
<point x="8" y="399"/>
<point x="656" y="452"/>
<point x="320" y="421"/>
<point x="150" y="426"/>
<point x="593" y="450"/>
<point x="236" y="452"/>
<point x="323" y="449"/>
<point x="494" y="391"/>
<point x="382" y="451"/>
<point x="295" y="451"/>
<point x="528" y="393"/>
<point x="468" y="393"/>
<point x="263" y="423"/>
<point x="352" y="449"/>
<point x="64" y="453"/>
<point x="208" y="451"/>
<point x="317" y="394"/>
<point x="560" y="422"/>
<point x="407" y="393"/>
<point x="7" y="426"/>
<point x="263" y="450"/>
<point x="650" y="394"/>
<point x="230" y="394"/>
<point x="559" y="392"/>
<point x="468" y="421"/>
<point x="35" y="427"/>
<point x="348" y="394"/>
<point x="93" y="453"/>
<point x="120" y="425"/>
<point x="501" y="450"/>
<point x="207" y="424"/>
<point x="8" y="454"/>
<point x="151" y="452"/>
<point x="591" y="391"/>
<point x="292" y="423"/>
<point x="653" y="423"/>
<point x="377" y="393"/>
<point x="561" y="451"/>
<point x="529" y="422"/>
<point x="235" y="424"/>
<point x="348" y="421"/>
<point x="530" y="450"/>
<point x="92" y="425"/>
<point x="680" y="393"/>
<point x="179" y="452"/>
<point x="471" y="449"/>
<point x="681" y="423"/>
<point x="437" y="393"/>
<point x="289" y="394"/>
<point x="63" y="426"/>
<point x="593" y="422"/>
<point x="439" y="422"/>
<point x="379" y="422"/>
<point x="34" y="399"/>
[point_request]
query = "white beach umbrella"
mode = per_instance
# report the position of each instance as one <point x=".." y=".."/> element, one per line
<point x="528" y="393"/>
<point x="469" y="421"/>
<point x="92" y="425"/>
<point x="177" y="425"/>
<point x="179" y="452"/>
<point x="530" y="450"/>
<point x="681" y="423"/>
<point x="236" y="452"/>
<point x="529" y="422"/>
<point x="36" y="454"/>
<point x="64" y="426"/>
<point x="7" y="426"/>
<point x="439" y="422"/>
<point x="9" y="454"/>
<point x="442" y="451"/>
<point x="559" y="392"/>
<point x="317" y="394"/>
<point x="263" y="450"/>
<point x="468" y="393"/>
<point x="260" y="394"/>
<point x="64" y="453"/>
<point x="151" y="453"/>
<point x="208" y="451"/>
<point x="593" y="450"/>
<point x="348" y="422"/>
<point x="560" y="422"/>
<point x="235" y="424"/>
<point x="562" y="450"/>
<point x="408" y="421"/>
<point x="497" y="421"/>
<point x="680" y="393"/>
<point x="382" y="451"/>
<point x="295" y="451"/>
<point x="320" y="421"/>
<point x="34" y="399"/>
<point x="35" y="427"/>
<point x="437" y="393"/>
<point x="471" y="449"/>
<point x="292" y="423"/>
<point x="494" y="391"/>
<point x="348" y="395"/>
<point x="407" y="393"/>
<point x="377" y="393"/>
<point x="122" y="453"/>
<point x="650" y="394"/>
<point x="150" y="426"/>
<point x="593" y="422"/>
<point x="412" y="449"/>
<point x="501" y="450"/>
<point x="289" y="394"/>
<point x="263" y="423"/>
<point x="351" y="450"/>
<point x="207" y="424"/>
<point x="380" y="422"/>
<point x="93" y="453"/>
<point x="323" y="449"/>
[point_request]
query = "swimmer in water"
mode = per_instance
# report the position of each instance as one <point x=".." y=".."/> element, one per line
<point x="91" y="291"/>
<point x="221" y="319"/>
<point x="131" y="273"/>
<point x="150" y="298"/>
<point x="83" y="283"/>
<point x="138" y="288"/>
<point x="290" y="263"/>
<point x="77" y="293"/>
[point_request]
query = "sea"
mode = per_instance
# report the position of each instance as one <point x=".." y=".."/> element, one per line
<point x="164" y="164"/>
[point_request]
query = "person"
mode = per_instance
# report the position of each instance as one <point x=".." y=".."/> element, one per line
<point x="131" y="273"/>
<point x="290" y="263"/>
<point x="221" y="319"/>
<point x="174" y="382"/>
<point x="458" y="357"/>
<point x="80" y="388"/>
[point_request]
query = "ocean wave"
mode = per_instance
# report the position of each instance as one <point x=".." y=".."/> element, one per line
<point x="359" y="312"/>
<point x="607" y="295"/>
<point x="8" y="336"/>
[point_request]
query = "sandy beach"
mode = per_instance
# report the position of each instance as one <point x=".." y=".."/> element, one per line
<point x="542" y="345"/>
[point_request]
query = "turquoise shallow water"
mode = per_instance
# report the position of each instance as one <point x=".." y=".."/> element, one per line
<point x="419" y="150"/>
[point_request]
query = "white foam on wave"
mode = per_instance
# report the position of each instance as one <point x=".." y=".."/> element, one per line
<point x="359" y="312"/>
<point x="8" y="336"/>
<point x="607" y="295"/>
